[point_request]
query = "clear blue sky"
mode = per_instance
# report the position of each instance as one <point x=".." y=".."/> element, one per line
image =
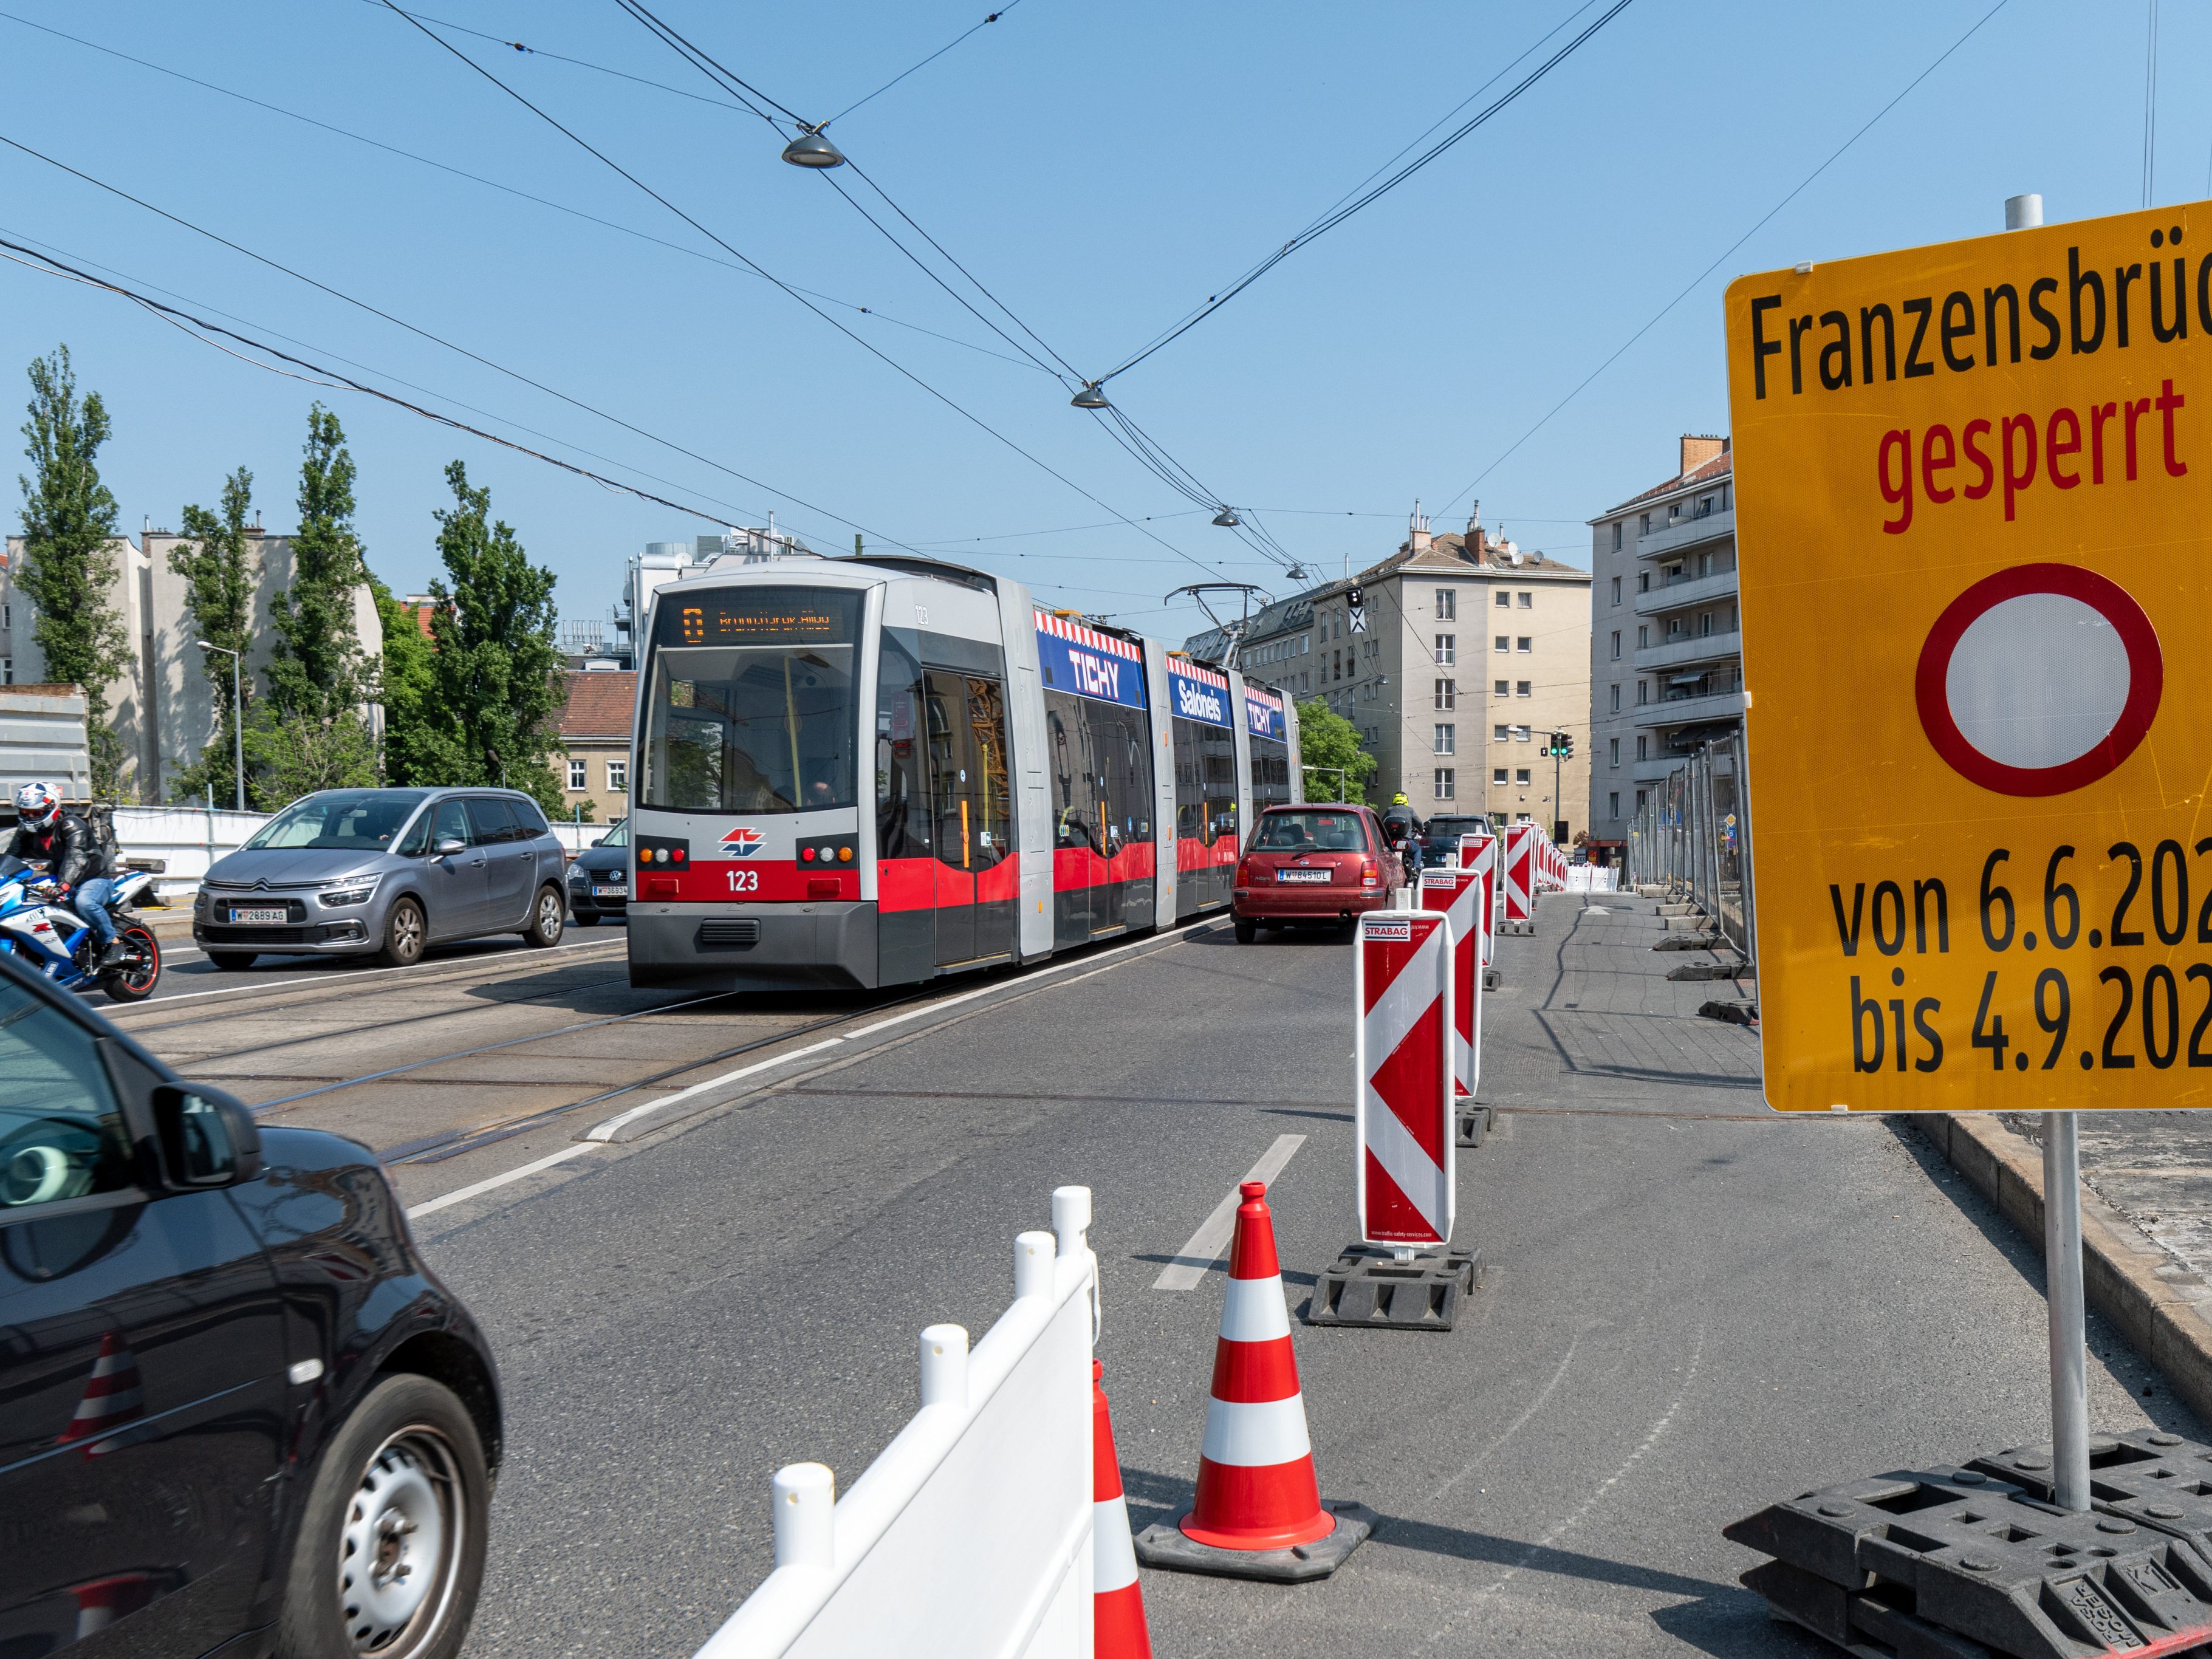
<point x="1102" y="168"/>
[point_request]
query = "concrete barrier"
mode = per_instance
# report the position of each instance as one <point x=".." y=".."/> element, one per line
<point x="971" y="1533"/>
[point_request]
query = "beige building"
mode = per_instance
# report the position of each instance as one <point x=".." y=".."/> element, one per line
<point x="1473" y="653"/>
<point x="594" y="725"/>
<point x="162" y="705"/>
<point x="1666" y="647"/>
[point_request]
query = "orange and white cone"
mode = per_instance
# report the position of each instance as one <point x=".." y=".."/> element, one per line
<point x="1118" y="1601"/>
<point x="111" y="1396"/>
<point x="1256" y="1488"/>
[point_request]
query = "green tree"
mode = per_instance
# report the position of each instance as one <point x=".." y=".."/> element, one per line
<point x="69" y="562"/>
<point x="1327" y="742"/>
<point x="309" y="733"/>
<point x="495" y="672"/>
<point x="221" y="566"/>
<point x="420" y="744"/>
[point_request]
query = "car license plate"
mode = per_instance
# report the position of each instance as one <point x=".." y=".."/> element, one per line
<point x="610" y="892"/>
<point x="1302" y="875"/>
<point x="264" y="914"/>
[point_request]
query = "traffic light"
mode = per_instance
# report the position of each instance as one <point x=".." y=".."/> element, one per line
<point x="1565" y="743"/>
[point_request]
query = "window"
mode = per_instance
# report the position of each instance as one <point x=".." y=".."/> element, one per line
<point x="1520" y="734"/>
<point x="1447" y="650"/>
<point x="1616" y="590"/>
<point x="1502" y="644"/>
<point x="1527" y="601"/>
<point x="1616" y="645"/>
<point x="340" y="820"/>
<point x="1643" y="692"/>
<point x="1521" y="817"/>
<point x="1446" y="780"/>
<point x="618" y="776"/>
<point x="1521" y="776"/>
<point x="1497" y="776"/>
<point x="1644" y="582"/>
<point x="1503" y="600"/>
<point x="1447" y="605"/>
<point x="578" y="778"/>
<point x="1524" y="688"/>
<point x="7" y="671"/>
<point x="7" y="615"/>
<point x="1502" y="688"/>
<point x="1447" y="694"/>
<point x="1673" y="628"/>
<point x="1501" y="734"/>
<point x="58" y="1116"/>
<point x="1445" y="734"/>
<point x="1640" y="794"/>
<point x="1612" y="803"/>
<point x="1613" y="751"/>
<point x="1643" y="637"/>
<point x="1525" y="644"/>
<point x="1616" y="699"/>
<point x="1616" y="536"/>
<point x="1704" y="621"/>
<point x="1645" y="528"/>
<point x="1641" y="752"/>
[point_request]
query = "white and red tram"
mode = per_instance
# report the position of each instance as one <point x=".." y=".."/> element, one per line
<point x="867" y="771"/>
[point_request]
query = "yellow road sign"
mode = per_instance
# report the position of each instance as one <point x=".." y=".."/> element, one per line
<point x="1973" y="515"/>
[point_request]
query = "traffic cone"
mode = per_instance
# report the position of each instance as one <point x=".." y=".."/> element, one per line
<point x="111" y="1396"/>
<point x="1118" y="1601"/>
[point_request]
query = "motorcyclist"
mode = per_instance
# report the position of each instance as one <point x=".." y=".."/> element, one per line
<point x="64" y="843"/>
<point x="1403" y="832"/>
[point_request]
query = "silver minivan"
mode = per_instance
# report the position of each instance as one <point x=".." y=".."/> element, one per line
<point x="384" y="874"/>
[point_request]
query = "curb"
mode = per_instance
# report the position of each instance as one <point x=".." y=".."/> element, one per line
<point x="2161" y="1308"/>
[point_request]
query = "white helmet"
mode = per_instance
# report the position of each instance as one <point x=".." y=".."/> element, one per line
<point x="38" y="805"/>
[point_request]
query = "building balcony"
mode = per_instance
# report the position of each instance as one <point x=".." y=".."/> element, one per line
<point x="1655" y="770"/>
<point x="1691" y="711"/>
<point x="1685" y="591"/>
<point x="1690" y="648"/>
<point x="1685" y="532"/>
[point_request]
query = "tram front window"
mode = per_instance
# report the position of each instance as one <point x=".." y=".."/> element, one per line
<point x="749" y="701"/>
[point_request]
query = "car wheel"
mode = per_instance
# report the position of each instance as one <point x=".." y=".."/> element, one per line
<point x="547" y="918"/>
<point x="135" y="980"/>
<point x="581" y="920"/>
<point x="405" y="934"/>
<point x="1246" y="932"/>
<point x="391" y="1551"/>
<point x="231" y="961"/>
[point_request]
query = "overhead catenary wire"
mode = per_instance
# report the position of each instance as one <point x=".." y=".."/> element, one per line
<point x="991" y="17"/>
<point x="1696" y="282"/>
<point x="1335" y="216"/>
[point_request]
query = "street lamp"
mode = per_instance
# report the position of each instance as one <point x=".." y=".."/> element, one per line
<point x="811" y="149"/>
<point x="237" y="715"/>
<point x="1090" y="398"/>
<point x="1226" y="520"/>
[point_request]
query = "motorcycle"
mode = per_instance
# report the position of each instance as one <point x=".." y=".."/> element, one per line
<point x="39" y="929"/>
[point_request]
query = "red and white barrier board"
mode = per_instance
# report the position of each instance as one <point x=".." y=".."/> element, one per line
<point x="1516" y="881"/>
<point x="1461" y="896"/>
<point x="1402" y="987"/>
<point x="1479" y="853"/>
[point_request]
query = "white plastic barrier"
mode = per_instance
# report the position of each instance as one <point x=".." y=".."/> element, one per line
<point x="970" y="1536"/>
<point x="1592" y="878"/>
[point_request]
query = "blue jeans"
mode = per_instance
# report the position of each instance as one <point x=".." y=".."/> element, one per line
<point x="90" y="899"/>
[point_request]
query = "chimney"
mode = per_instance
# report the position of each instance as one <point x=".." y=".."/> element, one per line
<point x="1416" y="531"/>
<point x="1698" y="448"/>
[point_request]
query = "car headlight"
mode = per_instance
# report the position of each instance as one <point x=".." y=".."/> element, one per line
<point x="345" y="895"/>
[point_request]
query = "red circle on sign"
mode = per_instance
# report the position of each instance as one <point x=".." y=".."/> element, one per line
<point x="2146" y="678"/>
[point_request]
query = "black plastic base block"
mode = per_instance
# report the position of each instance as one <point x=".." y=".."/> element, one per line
<point x="1518" y="928"/>
<point x="1163" y="1545"/>
<point x="1688" y="942"/>
<point x="1736" y="1011"/>
<point x="1368" y="1286"/>
<point x="1491" y="979"/>
<point x="1702" y="970"/>
<point x="1474" y="1121"/>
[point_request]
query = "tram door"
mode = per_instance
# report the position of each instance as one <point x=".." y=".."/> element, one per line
<point x="971" y="802"/>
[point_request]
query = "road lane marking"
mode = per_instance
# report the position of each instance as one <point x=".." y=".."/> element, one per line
<point x="603" y="1133"/>
<point x="306" y="981"/>
<point x="460" y="1194"/>
<point x="1206" y="1246"/>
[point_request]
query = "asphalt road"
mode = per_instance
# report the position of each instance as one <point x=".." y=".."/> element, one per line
<point x="1688" y="1308"/>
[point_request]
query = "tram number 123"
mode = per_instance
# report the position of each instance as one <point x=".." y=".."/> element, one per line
<point x="744" y="881"/>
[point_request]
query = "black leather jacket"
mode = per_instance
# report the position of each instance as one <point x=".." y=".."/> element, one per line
<point x="1399" y="823"/>
<point x="65" y="847"/>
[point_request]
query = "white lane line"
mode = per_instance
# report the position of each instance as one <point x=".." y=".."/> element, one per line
<point x="306" y="981"/>
<point x="605" y="1131"/>
<point x="1207" y="1245"/>
<point x="460" y="1194"/>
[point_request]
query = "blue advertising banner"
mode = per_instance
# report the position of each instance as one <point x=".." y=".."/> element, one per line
<point x="1199" y="693"/>
<point x="1089" y="663"/>
<point x="1263" y="714"/>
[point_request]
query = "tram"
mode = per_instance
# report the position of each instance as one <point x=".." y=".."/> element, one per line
<point x="867" y="772"/>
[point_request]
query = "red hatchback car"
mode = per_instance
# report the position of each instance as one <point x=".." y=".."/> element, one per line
<point x="1318" y="866"/>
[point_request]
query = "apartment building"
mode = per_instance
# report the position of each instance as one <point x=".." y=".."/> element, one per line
<point x="1472" y="652"/>
<point x="1666" y="645"/>
<point x="161" y="706"/>
<point x="594" y="727"/>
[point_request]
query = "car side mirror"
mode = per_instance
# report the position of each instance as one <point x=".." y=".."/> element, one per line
<point x="601" y="842"/>
<point x="446" y="846"/>
<point x="208" y="1138"/>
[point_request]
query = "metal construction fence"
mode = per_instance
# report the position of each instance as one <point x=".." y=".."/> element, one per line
<point x="1691" y="836"/>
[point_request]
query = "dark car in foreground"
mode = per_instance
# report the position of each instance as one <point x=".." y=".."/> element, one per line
<point x="1313" y="865"/>
<point x="599" y="877"/>
<point x="237" y="1411"/>
<point x="1440" y="838"/>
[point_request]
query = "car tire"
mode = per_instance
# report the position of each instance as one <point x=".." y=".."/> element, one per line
<point x="406" y="932"/>
<point x="402" y="1482"/>
<point x="583" y="921"/>
<point x="1246" y="932"/>
<point x="547" y="917"/>
<point x="231" y="961"/>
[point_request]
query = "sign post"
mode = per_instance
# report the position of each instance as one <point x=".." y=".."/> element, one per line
<point x="1973" y="569"/>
